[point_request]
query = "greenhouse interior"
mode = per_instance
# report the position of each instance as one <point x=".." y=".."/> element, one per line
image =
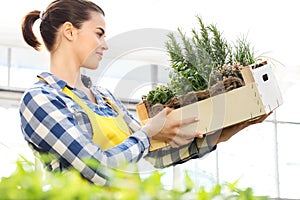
<point x="262" y="157"/>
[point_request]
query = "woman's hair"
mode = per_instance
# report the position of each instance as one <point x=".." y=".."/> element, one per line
<point x="56" y="14"/>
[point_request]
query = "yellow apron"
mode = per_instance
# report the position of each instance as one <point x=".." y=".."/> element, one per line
<point x="108" y="131"/>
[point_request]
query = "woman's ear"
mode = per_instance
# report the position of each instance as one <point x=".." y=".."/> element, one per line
<point x="69" y="31"/>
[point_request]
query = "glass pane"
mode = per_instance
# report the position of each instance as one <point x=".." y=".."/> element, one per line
<point x="290" y="109"/>
<point x="26" y="64"/>
<point x="3" y="66"/>
<point x="205" y="171"/>
<point x="128" y="78"/>
<point x="290" y="84"/>
<point x="202" y="171"/>
<point x="168" y="177"/>
<point x="289" y="160"/>
<point x="12" y="143"/>
<point x="248" y="155"/>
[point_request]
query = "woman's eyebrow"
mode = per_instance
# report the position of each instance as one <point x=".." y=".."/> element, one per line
<point x="101" y="29"/>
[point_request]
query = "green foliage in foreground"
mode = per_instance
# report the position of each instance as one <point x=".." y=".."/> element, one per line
<point x="27" y="183"/>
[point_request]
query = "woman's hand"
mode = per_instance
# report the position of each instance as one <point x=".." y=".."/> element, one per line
<point x="226" y="133"/>
<point x="161" y="128"/>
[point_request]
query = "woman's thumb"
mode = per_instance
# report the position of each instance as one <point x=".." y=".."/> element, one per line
<point x="168" y="110"/>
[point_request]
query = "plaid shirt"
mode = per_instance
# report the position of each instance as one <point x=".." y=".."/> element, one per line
<point x="52" y="123"/>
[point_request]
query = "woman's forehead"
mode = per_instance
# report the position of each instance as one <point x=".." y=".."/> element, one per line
<point x="96" y="20"/>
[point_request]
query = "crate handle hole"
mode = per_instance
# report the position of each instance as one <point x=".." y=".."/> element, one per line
<point x="265" y="77"/>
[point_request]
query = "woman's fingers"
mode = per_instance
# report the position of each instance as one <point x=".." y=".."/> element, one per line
<point x="168" y="110"/>
<point x="187" y="134"/>
<point x="188" y="121"/>
<point x="172" y="131"/>
<point x="261" y="118"/>
<point x="182" y="137"/>
<point x="177" y="141"/>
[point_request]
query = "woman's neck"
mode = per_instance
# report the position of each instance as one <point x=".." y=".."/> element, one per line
<point x="66" y="69"/>
<point x="65" y="66"/>
<point x="71" y="77"/>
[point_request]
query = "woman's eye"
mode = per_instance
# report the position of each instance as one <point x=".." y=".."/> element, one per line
<point x="100" y="35"/>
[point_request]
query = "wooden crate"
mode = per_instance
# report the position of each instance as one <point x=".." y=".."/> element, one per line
<point x="259" y="96"/>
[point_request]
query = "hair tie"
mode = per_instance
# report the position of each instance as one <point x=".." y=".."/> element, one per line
<point x="41" y="15"/>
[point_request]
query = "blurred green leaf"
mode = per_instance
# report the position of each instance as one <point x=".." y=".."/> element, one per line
<point x="189" y="184"/>
<point x="28" y="183"/>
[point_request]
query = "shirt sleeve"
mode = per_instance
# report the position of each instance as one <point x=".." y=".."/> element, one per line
<point x="168" y="156"/>
<point x="48" y="123"/>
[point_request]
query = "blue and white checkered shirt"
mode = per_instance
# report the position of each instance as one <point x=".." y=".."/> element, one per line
<point x="52" y="123"/>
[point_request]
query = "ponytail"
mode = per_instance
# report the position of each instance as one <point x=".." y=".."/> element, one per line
<point x="27" y="31"/>
<point x="56" y="14"/>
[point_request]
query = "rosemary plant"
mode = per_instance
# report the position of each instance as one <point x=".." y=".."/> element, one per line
<point x="201" y="60"/>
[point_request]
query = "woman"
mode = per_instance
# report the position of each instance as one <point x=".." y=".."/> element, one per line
<point x="62" y="117"/>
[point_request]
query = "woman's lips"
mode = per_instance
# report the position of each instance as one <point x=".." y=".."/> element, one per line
<point x="100" y="54"/>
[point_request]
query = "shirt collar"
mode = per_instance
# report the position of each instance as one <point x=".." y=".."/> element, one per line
<point x="52" y="80"/>
<point x="57" y="83"/>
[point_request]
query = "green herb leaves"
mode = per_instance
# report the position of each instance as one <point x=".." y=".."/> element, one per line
<point x="201" y="61"/>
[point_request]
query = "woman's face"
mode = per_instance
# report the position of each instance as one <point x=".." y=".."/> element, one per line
<point x="91" y="43"/>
